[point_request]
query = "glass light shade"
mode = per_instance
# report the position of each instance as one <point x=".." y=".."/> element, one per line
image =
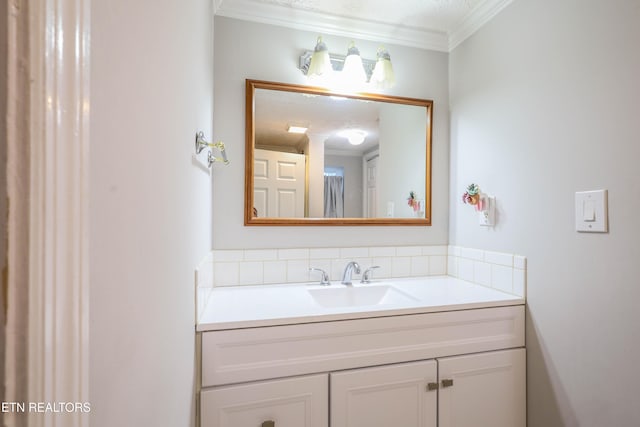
<point x="320" y="64"/>
<point x="383" y="76"/>
<point x="353" y="70"/>
<point x="354" y="136"/>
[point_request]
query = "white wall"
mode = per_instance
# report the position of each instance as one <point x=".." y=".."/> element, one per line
<point x="151" y="90"/>
<point x="401" y="162"/>
<point x="544" y="103"/>
<point x="256" y="51"/>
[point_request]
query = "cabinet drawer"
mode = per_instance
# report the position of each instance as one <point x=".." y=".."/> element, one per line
<point x="243" y="355"/>
<point x="291" y="402"/>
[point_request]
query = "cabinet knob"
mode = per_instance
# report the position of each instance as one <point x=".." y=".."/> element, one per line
<point x="447" y="383"/>
<point x="268" y="424"/>
<point x="432" y="386"/>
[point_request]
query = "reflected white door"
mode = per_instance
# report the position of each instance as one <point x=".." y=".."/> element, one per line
<point x="278" y="184"/>
<point x="371" y="190"/>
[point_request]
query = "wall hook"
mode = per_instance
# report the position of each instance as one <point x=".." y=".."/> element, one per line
<point x="201" y="143"/>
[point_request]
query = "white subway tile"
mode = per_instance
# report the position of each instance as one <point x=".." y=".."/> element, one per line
<point x="437" y="265"/>
<point x="452" y="266"/>
<point x="520" y="262"/>
<point x="226" y="273"/>
<point x="502" y="278"/>
<point x="386" y="266"/>
<point x="408" y="250"/>
<point x="251" y="273"/>
<point x="347" y="253"/>
<point x="482" y="273"/>
<point x="434" y="250"/>
<point x="326" y="253"/>
<point x="454" y="250"/>
<point x="400" y="267"/>
<point x="519" y="282"/>
<point x="465" y="269"/>
<point x="297" y="271"/>
<point x="275" y="272"/>
<point x="382" y="251"/>
<point x="224" y="255"/>
<point x="499" y="258"/>
<point x="469" y="253"/>
<point x="293" y="254"/>
<point x="337" y="268"/>
<point x="260" y="254"/>
<point x="204" y="275"/>
<point x="420" y="265"/>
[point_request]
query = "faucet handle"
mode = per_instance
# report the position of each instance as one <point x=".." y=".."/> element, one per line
<point x="324" y="280"/>
<point x="366" y="276"/>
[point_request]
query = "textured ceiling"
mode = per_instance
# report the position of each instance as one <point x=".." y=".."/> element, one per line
<point x="428" y="24"/>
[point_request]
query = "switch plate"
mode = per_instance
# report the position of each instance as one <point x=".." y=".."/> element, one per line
<point x="591" y="211"/>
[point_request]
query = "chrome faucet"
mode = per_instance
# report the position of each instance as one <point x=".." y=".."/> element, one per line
<point x="348" y="270"/>
<point x="366" y="276"/>
<point x="324" y="278"/>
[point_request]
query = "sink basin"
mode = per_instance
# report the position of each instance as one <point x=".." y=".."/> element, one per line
<point x="349" y="296"/>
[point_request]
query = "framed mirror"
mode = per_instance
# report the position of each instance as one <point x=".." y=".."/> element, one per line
<point x="316" y="157"/>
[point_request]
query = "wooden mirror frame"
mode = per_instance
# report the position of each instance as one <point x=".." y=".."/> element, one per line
<point x="250" y="220"/>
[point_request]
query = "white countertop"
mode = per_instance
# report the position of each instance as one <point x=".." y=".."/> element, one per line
<point x="270" y="305"/>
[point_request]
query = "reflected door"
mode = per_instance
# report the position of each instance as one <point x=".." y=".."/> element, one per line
<point x="371" y="190"/>
<point x="279" y="183"/>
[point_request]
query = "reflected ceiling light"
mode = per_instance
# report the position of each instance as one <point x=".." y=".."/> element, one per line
<point x="348" y="73"/>
<point x="383" y="76"/>
<point x="296" y="129"/>
<point x="355" y="136"/>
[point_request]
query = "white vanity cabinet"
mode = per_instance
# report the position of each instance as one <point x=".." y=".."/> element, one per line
<point x="484" y="389"/>
<point x="402" y="394"/>
<point x="458" y="368"/>
<point x="290" y="402"/>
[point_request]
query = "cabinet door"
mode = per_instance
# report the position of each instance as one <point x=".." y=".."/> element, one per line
<point x="385" y="396"/>
<point x="484" y="389"/>
<point x="291" y="402"/>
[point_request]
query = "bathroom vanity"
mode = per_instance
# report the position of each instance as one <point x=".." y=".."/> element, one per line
<point x="433" y="351"/>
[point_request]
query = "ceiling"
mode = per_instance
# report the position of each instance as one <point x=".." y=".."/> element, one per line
<point x="427" y="24"/>
<point x="324" y="116"/>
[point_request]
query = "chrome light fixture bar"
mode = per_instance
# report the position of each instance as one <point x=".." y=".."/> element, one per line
<point x="337" y="63"/>
<point x="350" y="71"/>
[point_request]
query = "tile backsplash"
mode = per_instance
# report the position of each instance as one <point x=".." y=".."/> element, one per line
<point x="268" y="266"/>
<point x="502" y="271"/>
<point x="237" y="267"/>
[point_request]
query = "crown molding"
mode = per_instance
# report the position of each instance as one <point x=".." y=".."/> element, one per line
<point x="307" y="20"/>
<point x="474" y="20"/>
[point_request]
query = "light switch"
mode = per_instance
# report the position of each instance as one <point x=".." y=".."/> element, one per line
<point x="591" y="211"/>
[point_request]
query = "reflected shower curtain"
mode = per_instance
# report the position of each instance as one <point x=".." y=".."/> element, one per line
<point x="333" y="197"/>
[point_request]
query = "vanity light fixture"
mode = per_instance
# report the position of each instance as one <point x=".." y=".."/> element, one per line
<point x="297" y="129"/>
<point x="355" y="136"/>
<point x="353" y="70"/>
<point x="350" y="72"/>
<point x="320" y="61"/>
<point x="383" y="75"/>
